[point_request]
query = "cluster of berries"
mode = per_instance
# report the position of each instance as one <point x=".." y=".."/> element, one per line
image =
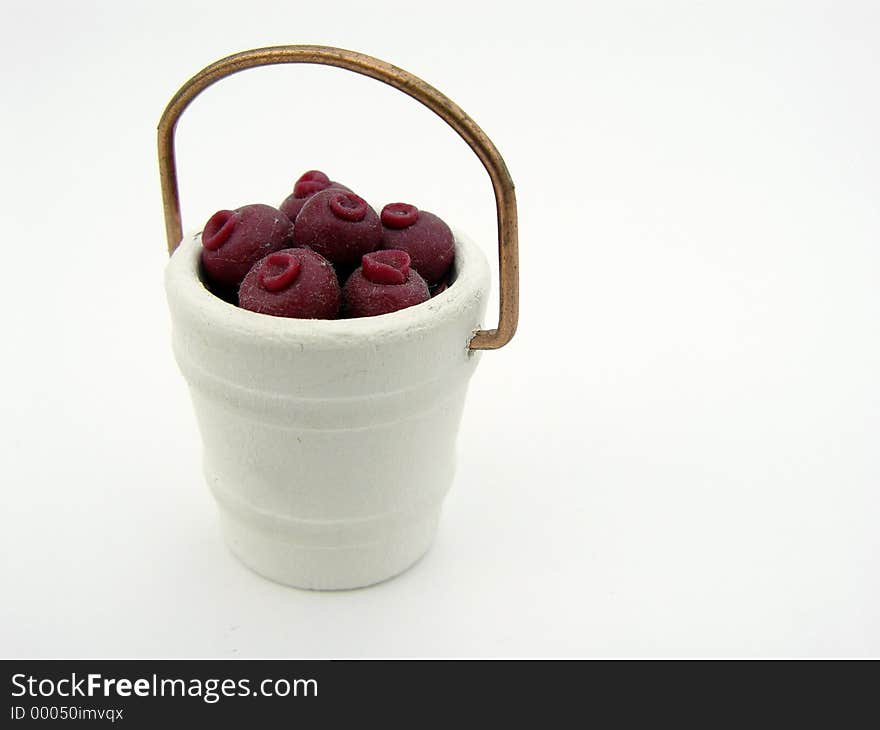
<point x="325" y="253"/>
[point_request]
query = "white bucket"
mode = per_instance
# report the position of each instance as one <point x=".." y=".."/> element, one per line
<point x="328" y="445"/>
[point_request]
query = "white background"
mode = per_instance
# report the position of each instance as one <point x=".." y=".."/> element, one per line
<point x="676" y="456"/>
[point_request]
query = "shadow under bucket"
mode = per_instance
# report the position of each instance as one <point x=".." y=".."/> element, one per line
<point x="329" y="445"/>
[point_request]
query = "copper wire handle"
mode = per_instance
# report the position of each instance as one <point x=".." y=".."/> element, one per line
<point x="451" y="113"/>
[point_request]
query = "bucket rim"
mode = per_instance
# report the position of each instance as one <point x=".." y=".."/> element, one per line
<point x="185" y="289"/>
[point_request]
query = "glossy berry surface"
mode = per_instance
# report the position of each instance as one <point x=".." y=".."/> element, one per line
<point x="293" y="282"/>
<point x="424" y="236"/>
<point x="339" y="225"/>
<point x="234" y="240"/>
<point x="384" y="283"/>
<point x="309" y="183"/>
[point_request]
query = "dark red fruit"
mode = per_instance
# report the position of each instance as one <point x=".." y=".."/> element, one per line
<point x="384" y="283"/>
<point x="314" y="176"/>
<point x="426" y="238"/>
<point x="339" y="225"/>
<point x="309" y="183"/>
<point x="294" y="282"/>
<point x="234" y="240"/>
<point x="386" y="267"/>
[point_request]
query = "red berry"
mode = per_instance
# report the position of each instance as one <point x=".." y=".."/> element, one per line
<point x="426" y="238"/>
<point x="278" y="272"/>
<point x="314" y="176"/>
<point x="339" y="225"/>
<point x="399" y="215"/>
<point x="294" y="282"/>
<point x="234" y="240"/>
<point x="307" y="188"/>
<point x="218" y="229"/>
<point x="309" y="183"/>
<point x="386" y="267"/>
<point x="384" y="283"/>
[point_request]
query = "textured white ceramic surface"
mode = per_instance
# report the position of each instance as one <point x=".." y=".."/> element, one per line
<point x="328" y="445"/>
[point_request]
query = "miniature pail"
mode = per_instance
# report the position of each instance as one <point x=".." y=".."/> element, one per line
<point x="330" y="445"/>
